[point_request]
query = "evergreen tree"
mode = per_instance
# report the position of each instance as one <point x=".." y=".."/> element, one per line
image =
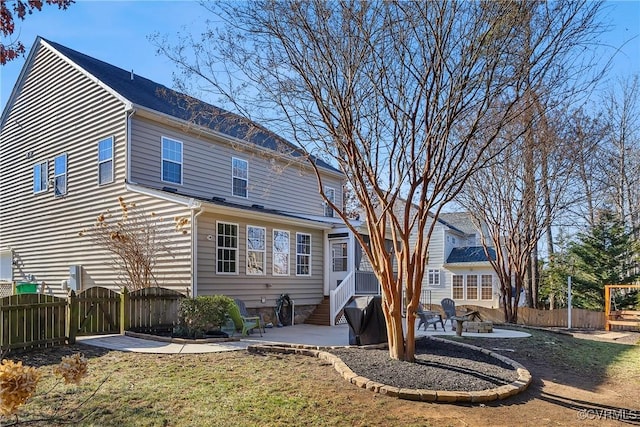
<point x="604" y="255"/>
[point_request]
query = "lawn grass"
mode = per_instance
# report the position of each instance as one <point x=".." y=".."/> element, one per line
<point x="242" y="389"/>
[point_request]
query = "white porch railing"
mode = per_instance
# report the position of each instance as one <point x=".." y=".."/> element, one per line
<point x="341" y="295"/>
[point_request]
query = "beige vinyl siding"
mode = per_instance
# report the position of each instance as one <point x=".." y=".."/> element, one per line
<point x="60" y="110"/>
<point x="207" y="170"/>
<point x="305" y="290"/>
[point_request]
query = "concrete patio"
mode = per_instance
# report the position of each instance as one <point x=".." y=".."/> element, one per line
<point x="323" y="336"/>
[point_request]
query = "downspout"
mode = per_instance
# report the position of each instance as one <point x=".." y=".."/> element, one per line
<point x="194" y="206"/>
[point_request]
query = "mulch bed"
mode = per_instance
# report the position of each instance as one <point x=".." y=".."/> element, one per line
<point x="439" y="366"/>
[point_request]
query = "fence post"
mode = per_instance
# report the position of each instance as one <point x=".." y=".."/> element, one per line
<point x="124" y="310"/>
<point x="72" y="317"/>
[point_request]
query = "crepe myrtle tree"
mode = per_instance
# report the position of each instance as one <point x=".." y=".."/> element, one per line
<point x="403" y="97"/>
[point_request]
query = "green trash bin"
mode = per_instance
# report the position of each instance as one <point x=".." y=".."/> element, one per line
<point x="26" y="288"/>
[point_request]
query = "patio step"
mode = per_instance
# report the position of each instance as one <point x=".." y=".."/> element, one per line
<point x="321" y="315"/>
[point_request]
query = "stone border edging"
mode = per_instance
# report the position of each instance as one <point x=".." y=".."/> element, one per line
<point x="438" y="396"/>
<point x="178" y="340"/>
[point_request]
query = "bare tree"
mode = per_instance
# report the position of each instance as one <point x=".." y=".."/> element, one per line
<point x="622" y="152"/>
<point x="404" y="97"/>
<point x="135" y="239"/>
<point x="514" y="210"/>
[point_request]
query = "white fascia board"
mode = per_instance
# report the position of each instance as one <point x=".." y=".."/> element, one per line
<point x="167" y="118"/>
<point x="125" y="101"/>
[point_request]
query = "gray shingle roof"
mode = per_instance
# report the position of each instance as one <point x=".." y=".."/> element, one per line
<point x="470" y="254"/>
<point x="154" y="96"/>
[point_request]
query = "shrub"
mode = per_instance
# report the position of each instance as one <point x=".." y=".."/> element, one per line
<point x="198" y="315"/>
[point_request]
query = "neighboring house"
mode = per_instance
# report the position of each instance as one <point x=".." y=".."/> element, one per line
<point x="77" y="133"/>
<point x="458" y="267"/>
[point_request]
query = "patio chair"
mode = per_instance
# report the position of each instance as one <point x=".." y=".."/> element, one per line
<point x="429" y="318"/>
<point x="449" y="308"/>
<point x="244" y="324"/>
<point x="245" y="313"/>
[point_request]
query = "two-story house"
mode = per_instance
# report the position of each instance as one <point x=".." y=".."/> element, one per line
<point x="458" y="267"/>
<point x="78" y="133"/>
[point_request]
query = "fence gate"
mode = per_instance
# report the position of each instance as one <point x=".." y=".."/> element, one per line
<point x="98" y="311"/>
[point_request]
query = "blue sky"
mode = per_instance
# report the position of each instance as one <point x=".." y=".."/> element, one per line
<point x="117" y="32"/>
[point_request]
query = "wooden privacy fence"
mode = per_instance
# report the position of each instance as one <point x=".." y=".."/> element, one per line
<point x="32" y="320"/>
<point x="580" y="318"/>
<point x="37" y="320"/>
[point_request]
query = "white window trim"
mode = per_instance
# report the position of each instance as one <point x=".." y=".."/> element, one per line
<point x="246" y="196"/>
<point x="435" y="273"/>
<point x="327" y="208"/>
<point x="65" y="174"/>
<point x="303" y="254"/>
<point x="466" y="287"/>
<point x="111" y="159"/>
<point x="46" y="176"/>
<point x="227" y="273"/>
<point x="263" y="251"/>
<point x="481" y="287"/>
<point x="162" y="160"/>
<point x="274" y="252"/>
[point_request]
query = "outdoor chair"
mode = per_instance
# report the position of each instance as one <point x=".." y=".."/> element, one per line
<point x="245" y="313"/>
<point x="449" y="308"/>
<point x="429" y="318"/>
<point x="243" y="324"/>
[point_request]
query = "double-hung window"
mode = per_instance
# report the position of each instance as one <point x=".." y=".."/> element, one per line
<point x="487" y="287"/>
<point x="330" y="194"/>
<point x="472" y="286"/>
<point x="60" y="175"/>
<point x="240" y="177"/>
<point x="40" y="177"/>
<point x="303" y="254"/>
<point x="256" y="249"/>
<point x="457" y="282"/>
<point x="171" y="161"/>
<point x="105" y="161"/>
<point x="280" y="253"/>
<point x="227" y="248"/>
<point x="433" y="277"/>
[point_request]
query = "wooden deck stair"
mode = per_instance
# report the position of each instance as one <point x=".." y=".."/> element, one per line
<point x="321" y="315"/>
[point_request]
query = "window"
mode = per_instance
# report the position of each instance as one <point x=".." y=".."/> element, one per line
<point x="60" y="175"/>
<point x="339" y="256"/>
<point x="433" y="277"/>
<point x="256" y="248"/>
<point x="303" y="254"/>
<point x="240" y="172"/>
<point x="280" y="253"/>
<point x="40" y="172"/>
<point x="105" y="161"/>
<point x="331" y="195"/>
<point x="227" y="248"/>
<point x="171" y="161"/>
<point x="487" y="286"/>
<point x="458" y="286"/>
<point x="472" y="287"/>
